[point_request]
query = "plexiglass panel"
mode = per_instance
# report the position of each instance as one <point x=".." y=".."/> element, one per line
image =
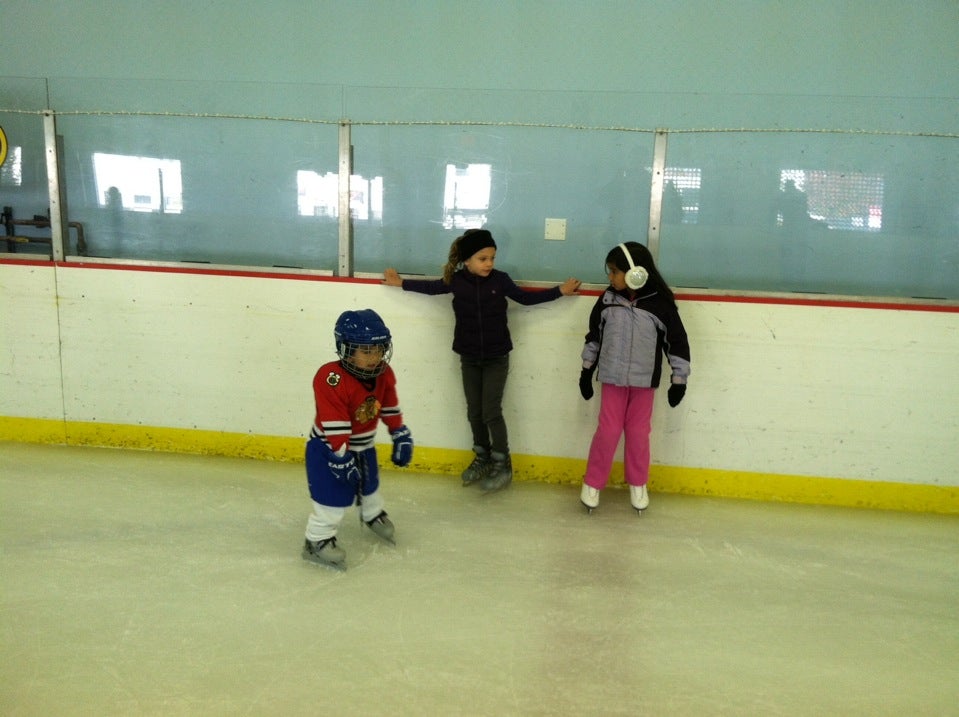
<point x="218" y="190"/>
<point x="247" y="174"/>
<point x="426" y="185"/>
<point x="24" y="190"/>
<point x="853" y="214"/>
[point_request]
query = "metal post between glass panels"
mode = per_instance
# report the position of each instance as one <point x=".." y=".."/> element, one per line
<point x="58" y="211"/>
<point x="345" y="266"/>
<point x="656" y="192"/>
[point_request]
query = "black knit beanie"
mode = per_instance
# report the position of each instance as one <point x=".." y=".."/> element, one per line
<point x="473" y="241"/>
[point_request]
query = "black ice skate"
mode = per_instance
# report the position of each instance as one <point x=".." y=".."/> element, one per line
<point x="325" y="552"/>
<point x="383" y="527"/>
<point x="478" y="469"/>
<point x="500" y="473"/>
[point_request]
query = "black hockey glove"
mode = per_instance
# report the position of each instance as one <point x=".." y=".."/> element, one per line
<point x="676" y="393"/>
<point x="586" y="382"/>
<point x="402" y="447"/>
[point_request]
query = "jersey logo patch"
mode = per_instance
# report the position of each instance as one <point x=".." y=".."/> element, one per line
<point x="368" y="410"/>
<point x="333" y="379"/>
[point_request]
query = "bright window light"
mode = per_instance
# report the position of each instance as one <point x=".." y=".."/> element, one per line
<point x="849" y="201"/>
<point x="11" y="173"/>
<point x="138" y="184"/>
<point x="466" y="195"/>
<point x="317" y="195"/>
<point x="681" y="190"/>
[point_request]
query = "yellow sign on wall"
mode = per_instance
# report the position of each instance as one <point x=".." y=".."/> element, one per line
<point x="3" y="146"/>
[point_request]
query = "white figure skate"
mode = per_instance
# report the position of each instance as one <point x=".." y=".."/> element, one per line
<point x="589" y="497"/>
<point x="639" y="497"/>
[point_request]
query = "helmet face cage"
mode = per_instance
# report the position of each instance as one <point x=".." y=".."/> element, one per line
<point x="365" y="360"/>
<point x="363" y="343"/>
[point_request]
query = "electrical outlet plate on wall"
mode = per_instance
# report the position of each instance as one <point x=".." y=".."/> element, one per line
<point x="555" y="230"/>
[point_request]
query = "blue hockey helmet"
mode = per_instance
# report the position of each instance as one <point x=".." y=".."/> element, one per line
<point x="363" y="343"/>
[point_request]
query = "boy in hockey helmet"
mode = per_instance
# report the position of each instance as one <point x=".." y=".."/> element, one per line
<point x="352" y="395"/>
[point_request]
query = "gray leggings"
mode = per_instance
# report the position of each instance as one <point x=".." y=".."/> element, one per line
<point x="484" y="380"/>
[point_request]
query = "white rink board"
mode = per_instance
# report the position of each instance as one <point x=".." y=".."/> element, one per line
<point x="803" y="390"/>
<point x="29" y="338"/>
<point x="818" y="390"/>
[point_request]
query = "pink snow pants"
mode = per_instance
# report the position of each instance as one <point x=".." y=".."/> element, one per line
<point x="628" y="411"/>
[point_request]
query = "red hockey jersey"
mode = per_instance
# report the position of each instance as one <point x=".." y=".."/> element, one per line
<point x="348" y="409"/>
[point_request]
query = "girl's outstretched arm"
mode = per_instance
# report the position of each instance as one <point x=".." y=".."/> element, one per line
<point x="570" y="286"/>
<point x="432" y="287"/>
<point x="392" y="278"/>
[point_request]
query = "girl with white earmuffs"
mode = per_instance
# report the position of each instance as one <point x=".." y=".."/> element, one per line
<point x="632" y="326"/>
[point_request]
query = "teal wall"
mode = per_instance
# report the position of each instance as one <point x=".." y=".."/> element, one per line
<point x="849" y="63"/>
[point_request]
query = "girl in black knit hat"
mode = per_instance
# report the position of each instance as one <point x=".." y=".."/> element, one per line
<point x="481" y="338"/>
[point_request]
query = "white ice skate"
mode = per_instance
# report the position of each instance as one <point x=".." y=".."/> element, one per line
<point x="589" y="497"/>
<point x="325" y="552"/>
<point x="639" y="497"/>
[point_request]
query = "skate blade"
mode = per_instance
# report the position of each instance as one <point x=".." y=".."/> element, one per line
<point x="589" y="509"/>
<point x="311" y="558"/>
<point x="390" y="540"/>
<point x="639" y="511"/>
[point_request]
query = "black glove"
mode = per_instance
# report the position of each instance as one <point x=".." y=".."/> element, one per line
<point x="586" y="382"/>
<point x="676" y="393"/>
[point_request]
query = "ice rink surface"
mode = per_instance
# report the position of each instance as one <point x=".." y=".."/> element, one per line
<point x="140" y="583"/>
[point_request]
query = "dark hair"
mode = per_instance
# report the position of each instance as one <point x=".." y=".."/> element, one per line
<point x="641" y="257"/>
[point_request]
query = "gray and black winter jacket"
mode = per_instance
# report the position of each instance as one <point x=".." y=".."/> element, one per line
<point x="629" y="338"/>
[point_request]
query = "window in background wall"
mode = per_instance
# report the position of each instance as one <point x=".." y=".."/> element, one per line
<point x="318" y="195"/>
<point x="837" y="200"/>
<point x="466" y="195"/>
<point x="366" y="198"/>
<point x="11" y="173"/>
<point x="681" y="195"/>
<point x="138" y="184"/>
